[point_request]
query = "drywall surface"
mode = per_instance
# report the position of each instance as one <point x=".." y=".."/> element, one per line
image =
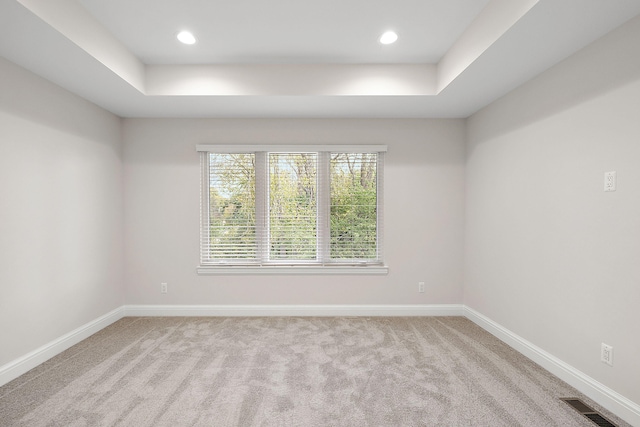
<point x="424" y="185"/>
<point x="549" y="254"/>
<point x="61" y="212"/>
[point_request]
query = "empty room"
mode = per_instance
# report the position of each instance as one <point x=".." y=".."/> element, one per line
<point x="336" y="213"/>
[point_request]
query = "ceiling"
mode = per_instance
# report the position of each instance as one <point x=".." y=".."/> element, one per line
<point x="286" y="31"/>
<point x="293" y="58"/>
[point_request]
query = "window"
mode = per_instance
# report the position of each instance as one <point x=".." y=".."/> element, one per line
<point x="291" y="209"/>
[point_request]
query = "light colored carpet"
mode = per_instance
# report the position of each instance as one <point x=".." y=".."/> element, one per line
<point x="290" y="371"/>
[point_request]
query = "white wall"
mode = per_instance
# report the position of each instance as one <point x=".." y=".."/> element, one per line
<point x="60" y="212"/>
<point x="424" y="192"/>
<point x="549" y="255"/>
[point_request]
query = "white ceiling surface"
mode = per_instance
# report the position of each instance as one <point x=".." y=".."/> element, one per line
<point x="123" y="56"/>
<point x="286" y="31"/>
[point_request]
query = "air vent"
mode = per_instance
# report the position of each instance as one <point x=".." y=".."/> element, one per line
<point x="588" y="412"/>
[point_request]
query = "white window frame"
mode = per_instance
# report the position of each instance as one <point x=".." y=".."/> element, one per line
<point x="288" y="267"/>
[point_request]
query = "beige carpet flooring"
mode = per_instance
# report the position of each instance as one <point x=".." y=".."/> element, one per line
<point x="290" y="371"/>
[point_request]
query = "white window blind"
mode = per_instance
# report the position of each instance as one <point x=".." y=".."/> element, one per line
<point x="354" y="207"/>
<point x="292" y="206"/>
<point x="231" y="222"/>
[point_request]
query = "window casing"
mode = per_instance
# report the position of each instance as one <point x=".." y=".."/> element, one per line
<point x="292" y="209"/>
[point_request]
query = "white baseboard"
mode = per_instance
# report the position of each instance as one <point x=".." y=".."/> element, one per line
<point x="295" y="310"/>
<point x="14" y="369"/>
<point x="601" y="394"/>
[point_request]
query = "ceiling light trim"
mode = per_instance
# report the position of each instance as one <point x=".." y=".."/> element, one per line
<point x="186" y="37"/>
<point x="389" y="37"/>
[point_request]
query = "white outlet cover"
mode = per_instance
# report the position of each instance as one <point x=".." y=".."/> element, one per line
<point x="606" y="354"/>
<point x="610" y="181"/>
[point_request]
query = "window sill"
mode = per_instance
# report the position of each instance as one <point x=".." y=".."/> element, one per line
<point x="232" y="270"/>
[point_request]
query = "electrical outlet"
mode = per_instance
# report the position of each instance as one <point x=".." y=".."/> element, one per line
<point x="606" y="354"/>
<point x="420" y="286"/>
<point x="610" y="181"/>
<point x="163" y="288"/>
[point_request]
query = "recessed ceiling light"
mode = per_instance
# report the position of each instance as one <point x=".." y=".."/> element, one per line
<point x="388" y="37"/>
<point x="186" y="37"/>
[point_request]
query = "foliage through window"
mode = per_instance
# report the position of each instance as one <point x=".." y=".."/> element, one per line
<point x="291" y="207"/>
